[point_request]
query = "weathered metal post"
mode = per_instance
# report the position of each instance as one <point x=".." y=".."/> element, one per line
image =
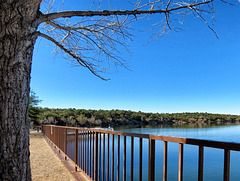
<point x="93" y="133"/>
<point x="59" y="133"/>
<point x="180" y="163"/>
<point x="96" y="157"/>
<point x="112" y="175"/>
<point x="165" y="156"/>
<point x="200" y="163"/>
<point x="151" y="166"/>
<point x="65" y="144"/>
<point x="103" y="162"/>
<point x="118" y="157"/>
<point x="76" y="149"/>
<point x="140" y="159"/>
<point x="132" y="158"/>
<point x="124" y="158"/>
<point x="108" y="136"/>
<point x="99" y="158"/>
<point x="55" y="135"/>
<point x="226" y="164"/>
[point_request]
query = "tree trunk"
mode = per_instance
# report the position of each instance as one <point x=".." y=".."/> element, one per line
<point x="17" y="40"/>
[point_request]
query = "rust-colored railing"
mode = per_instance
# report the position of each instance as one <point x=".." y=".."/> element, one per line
<point x="90" y="156"/>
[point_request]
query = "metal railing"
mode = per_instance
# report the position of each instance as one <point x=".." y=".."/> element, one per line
<point x="91" y="145"/>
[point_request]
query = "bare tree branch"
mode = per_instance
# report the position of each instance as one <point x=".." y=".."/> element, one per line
<point x="232" y="4"/>
<point x="203" y="19"/>
<point x="67" y="14"/>
<point x="79" y="60"/>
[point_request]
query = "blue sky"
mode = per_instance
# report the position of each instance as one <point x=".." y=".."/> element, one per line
<point x="187" y="71"/>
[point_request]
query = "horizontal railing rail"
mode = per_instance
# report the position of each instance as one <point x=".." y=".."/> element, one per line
<point x="92" y="152"/>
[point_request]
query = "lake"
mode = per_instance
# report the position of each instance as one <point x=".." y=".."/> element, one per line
<point x="213" y="158"/>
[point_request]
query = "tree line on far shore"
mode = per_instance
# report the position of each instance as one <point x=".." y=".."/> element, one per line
<point x="82" y="117"/>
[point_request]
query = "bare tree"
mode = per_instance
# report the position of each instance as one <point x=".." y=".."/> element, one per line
<point x="94" y="41"/>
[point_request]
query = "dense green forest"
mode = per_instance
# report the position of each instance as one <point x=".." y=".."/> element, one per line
<point x="105" y="118"/>
<point x="82" y="117"/>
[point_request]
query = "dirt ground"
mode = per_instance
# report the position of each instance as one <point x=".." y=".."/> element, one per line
<point x="45" y="165"/>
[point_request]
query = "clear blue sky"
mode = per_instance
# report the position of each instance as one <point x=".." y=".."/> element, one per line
<point x="187" y="71"/>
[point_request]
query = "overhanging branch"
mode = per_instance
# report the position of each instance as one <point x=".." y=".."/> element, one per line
<point x="68" y="14"/>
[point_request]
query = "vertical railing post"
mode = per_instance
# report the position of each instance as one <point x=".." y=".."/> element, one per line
<point x="200" y="163"/>
<point x="65" y="143"/>
<point x="55" y="136"/>
<point x="90" y="153"/>
<point x="87" y="141"/>
<point x="124" y="158"/>
<point x="180" y="164"/>
<point x="165" y="151"/>
<point x="96" y="157"/>
<point x="81" y="136"/>
<point x="140" y="159"/>
<point x="55" y="132"/>
<point x="93" y="133"/>
<point x="59" y="133"/>
<point x="80" y="147"/>
<point x="108" y="135"/>
<point x="132" y="158"/>
<point x="76" y="149"/>
<point x="151" y="166"/>
<point x="118" y="157"/>
<point x="99" y="158"/>
<point x="226" y="164"/>
<point x="112" y="176"/>
<point x="50" y="133"/>
<point x="84" y="151"/>
<point x="103" y="162"/>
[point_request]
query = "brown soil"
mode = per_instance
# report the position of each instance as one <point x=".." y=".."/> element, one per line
<point x="45" y="165"/>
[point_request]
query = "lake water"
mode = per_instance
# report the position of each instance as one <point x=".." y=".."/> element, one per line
<point x="213" y="158"/>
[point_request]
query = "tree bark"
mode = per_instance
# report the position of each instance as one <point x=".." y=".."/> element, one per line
<point x="17" y="38"/>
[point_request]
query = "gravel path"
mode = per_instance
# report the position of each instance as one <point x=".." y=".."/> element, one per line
<point x="45" y="165"/>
